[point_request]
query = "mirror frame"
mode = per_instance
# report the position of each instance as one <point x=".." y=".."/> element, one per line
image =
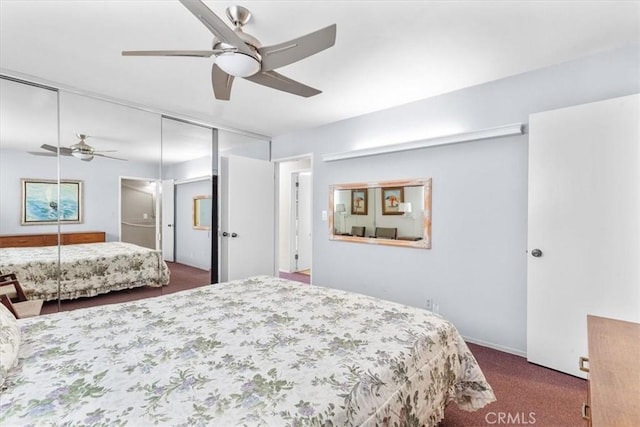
<point x="197" y="201"/>
<point x="425" y="243"/>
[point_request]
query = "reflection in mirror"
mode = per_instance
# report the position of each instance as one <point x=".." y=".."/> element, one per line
<point x="37" y="138"/>
<point x="202" y="212"/>
<point x="138" y="212"/>
<point x="396" y="213"/>
<point x="28" y="220"/>
<point x="234" y="218"/>
<point x="187" y="171"/>
<point x="126" y="144"/>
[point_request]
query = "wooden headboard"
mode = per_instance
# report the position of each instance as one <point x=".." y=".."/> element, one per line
<point x="51" y="239"/>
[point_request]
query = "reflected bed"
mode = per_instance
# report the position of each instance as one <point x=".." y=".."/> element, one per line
<point x="258" y="351"/>
<point x="85" y="270"/>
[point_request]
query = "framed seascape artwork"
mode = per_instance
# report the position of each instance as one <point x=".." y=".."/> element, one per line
<point x="391" y="199"/>
<point x="359" y="201"/>
<point x="41" y="204"/>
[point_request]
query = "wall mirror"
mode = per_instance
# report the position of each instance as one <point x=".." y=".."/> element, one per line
<point x="202" y="206"/>
<point x="395" y="213"/>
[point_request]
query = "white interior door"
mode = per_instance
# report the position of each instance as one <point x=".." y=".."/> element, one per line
<point x="247" y="218"/>
<point x="168" y="220"/>
<point x="584" y="218"/>
<point x="303" y="222"/>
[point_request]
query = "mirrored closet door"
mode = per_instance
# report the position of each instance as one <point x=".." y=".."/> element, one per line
<point x="29" y="200"/>
<point x="188" y="226"/>
<point x="109" y="144"/>
<point x="123" y="200"/>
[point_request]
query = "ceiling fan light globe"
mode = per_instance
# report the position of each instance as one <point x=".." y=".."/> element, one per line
<point x="238" y="64"/>
<point x="82" y="156"/>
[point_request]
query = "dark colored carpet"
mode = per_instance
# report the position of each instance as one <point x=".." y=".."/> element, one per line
<point x="297" y="277"/>
<point x="526" y="394"/>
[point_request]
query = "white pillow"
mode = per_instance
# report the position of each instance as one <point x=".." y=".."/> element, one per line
<point x="9" y="342"/>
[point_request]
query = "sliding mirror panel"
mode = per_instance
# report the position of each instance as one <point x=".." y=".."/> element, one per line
<point x="187" y="184"/>
<point x="29" y="202"/>
<point x="109" y="169"/>
<point x="395" y="213"/>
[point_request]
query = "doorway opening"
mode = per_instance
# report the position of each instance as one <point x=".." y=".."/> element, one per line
<point x="295" y="219"/>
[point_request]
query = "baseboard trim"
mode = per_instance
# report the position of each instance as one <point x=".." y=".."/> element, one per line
<point x="496" y="346"/>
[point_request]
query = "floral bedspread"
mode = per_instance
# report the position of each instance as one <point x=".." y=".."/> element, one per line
<point x="86" y="270"/>
<point x="259" y="351"/>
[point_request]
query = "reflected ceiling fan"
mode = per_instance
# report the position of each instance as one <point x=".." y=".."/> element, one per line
<point x="238" y="54"/>
<point x="80" y="150"/>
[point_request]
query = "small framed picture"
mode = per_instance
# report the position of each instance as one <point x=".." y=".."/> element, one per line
<point x="359" y="201"/>
<point x="391" y="199"/>
<point x="41" y="204"/>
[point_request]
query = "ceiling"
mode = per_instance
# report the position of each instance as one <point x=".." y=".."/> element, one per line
<point x="387" y="53"/>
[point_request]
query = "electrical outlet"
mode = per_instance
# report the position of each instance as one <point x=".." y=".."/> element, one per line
<point x="429" y="304"/>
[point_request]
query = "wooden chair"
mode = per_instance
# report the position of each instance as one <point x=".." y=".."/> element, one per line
<point x="386" y="232"/>
<point x="20" y="307"/>
<point x="357" y="231"/>
<point x="10" y="291"/>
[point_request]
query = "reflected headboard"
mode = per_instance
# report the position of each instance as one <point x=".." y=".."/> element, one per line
<point x="50" y="239"/>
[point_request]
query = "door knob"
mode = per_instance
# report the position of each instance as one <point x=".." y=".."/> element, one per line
<point x="536" y="253"/>
<point x="225" y="234"/>
<point x="169" y="225"/>
<point x="234" y="234"/>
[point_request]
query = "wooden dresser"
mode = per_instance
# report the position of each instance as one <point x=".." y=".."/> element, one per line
<point x="614" y="373"/>
<point x="51" y="239"/>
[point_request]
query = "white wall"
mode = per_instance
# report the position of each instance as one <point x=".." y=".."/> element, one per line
<point x="193" y="247"/>
<point x="476" y="270"/>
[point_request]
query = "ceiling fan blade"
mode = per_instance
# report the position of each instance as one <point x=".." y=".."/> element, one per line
<point x="63" y="150"/>
<point x="294" y="50"/>
<point x="216" y="25"/>
<point x="278" y="81"/>
<point x="48" y="147"/>
<point x="109" y="157"/>
<point x="38" y="153"/>
<point x="221" y="83"/>
<point x="194" y="53"/>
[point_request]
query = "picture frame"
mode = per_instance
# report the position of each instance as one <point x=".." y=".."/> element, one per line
<point x="359" y="202"/>
<point x="41" y="204"/>
<point x="391" y="199"/>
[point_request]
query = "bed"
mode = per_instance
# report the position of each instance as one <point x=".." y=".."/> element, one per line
<point x="258" y="351"/>
<point x="85" y="269"/>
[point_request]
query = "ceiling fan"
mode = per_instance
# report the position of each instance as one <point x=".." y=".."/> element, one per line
<point x="80" y="150"/>
<point x="238" y="54"/>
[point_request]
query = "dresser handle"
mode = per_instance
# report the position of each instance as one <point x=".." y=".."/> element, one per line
<point x="581" y="364"/>
<point x="586" y="408"/>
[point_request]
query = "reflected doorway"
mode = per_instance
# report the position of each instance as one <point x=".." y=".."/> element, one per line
<point x="138" y="212"/>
